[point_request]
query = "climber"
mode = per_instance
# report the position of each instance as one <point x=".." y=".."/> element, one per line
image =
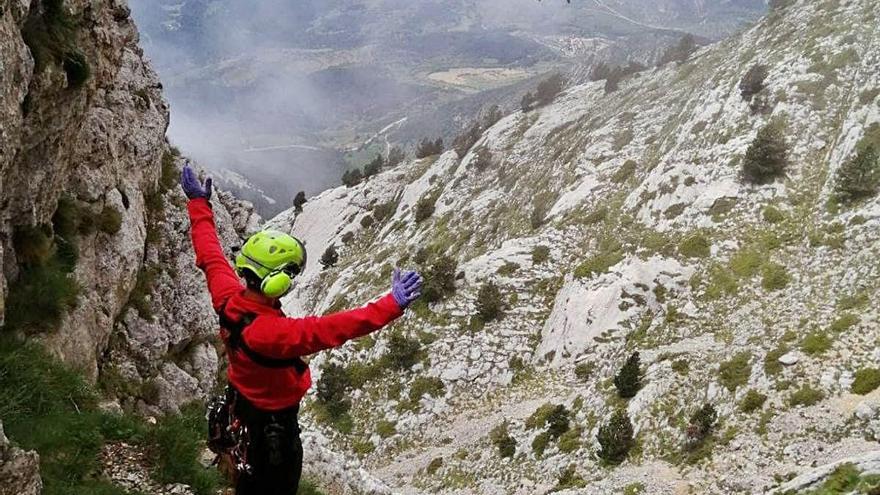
<point x="267" y="376"/>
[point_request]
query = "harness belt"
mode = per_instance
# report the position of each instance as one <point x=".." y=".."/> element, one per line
<point x="236" y="341"/>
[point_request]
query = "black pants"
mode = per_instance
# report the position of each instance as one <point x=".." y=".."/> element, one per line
<point x="275" y="451"/>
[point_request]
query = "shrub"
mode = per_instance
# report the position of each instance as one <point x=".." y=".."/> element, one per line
<point x="464" y="141"/>
<point x="403" y="352"/>
<point x="539" y="418"/>
<point x="558" y="421"/>
<point x="681" y="366"/>
<point x="439" y="279"/>
<point x="702" y="423"/>
<point x="735" y="372"/>
<point x="425" y="208"/>
<point x="859" y="177"/>
<point x="695" y="246"/>
<point x="501" y="439"/>
<point x="374" y="166"/>
<point x="298" y="201"/>
<point x="351" y="178"/>
<point x="179" y="446"/>
<point x="866" y="380"/>
<point x="752" y="401"/>
<point x="681" y="51"/>
<point x="367" y="221"/>
<point x="767" y="157"/>
<point x="540" y="254"/>
<point x="76" y="67"/>
<point x="428" y="148"/>
<point x="624" y="172"/>
<point x="545" y="93"/>
<point x="330" y="257"/>
<point x="110" y="220"/>
<point x="570" y="441"/>
<point x="752" y="82"/>
<point x="434" y="465"/>
<point x="598" y="264"/>
<point x="332" y="390"/>
<point x="40" y="296"/>
<point x="815" y="343"/>
<point x="774" y="277"/>
<point x="583" y="371"/>
<point x="489" y="303"/>
<point x="615" y="438"/>
<point x="540" y="442"/>
<point x="805" y="396"/>
<point x="568" y="478"/>
<point x="425" y="385"/>
<point x="773" y="215"/>
<point x="32" y="244"/>
<point x="628" y="380"/>
<point x="844" y="323"/>
<point x="170" y="174"/>
<point x="385" y="428"/>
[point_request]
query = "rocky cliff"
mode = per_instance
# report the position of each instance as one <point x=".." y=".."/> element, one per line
<point x="569" y="237"/>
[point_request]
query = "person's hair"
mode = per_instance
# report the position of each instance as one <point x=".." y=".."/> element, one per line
<point x="251" y="280"/>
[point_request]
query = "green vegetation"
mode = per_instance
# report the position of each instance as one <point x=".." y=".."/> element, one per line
<point x="545" y="93"/>
<point x="428" y="148"/>
<point x="752" y="82"/>
<point x="844" y="323"/>
<point x="139" y="298"/>
<point x="681" y="366"/>
<point x="584" y="370"/>
<point x="539" y="418"/>
<point x="332" y="394"/>
<point x="434" y="465"/>
<point x="701" y="425"/>
<point x="110" y="220"/>
<point x="846" y="478"/>
<point x="439" y="279"/>
<point x="558" y="421"/>
<point x="695" y="246"/>
<point x="735" y="372"/>
<point x="628" y="379"/>
<point x="570" y="441"/>
<point x="598" y="264"/>
<point x="540" y="254"/>
<point x="767" y="157"/>
<point x="816" y="343"/>
<point x="805" y="396"/>
<point x="866" y="380"/>
<point x="403" y="352"/>
<point x="501" y="439"/>
<point x="616" y="438"/>
<point x="51" y="38"/>
<point x="752" y="401"/>
<point x="746" y="263"/>
<point x="627" y="170"/>
<point x="774" y="277"/>
<point x="385" y="428"/>
<point x="425" y="207"/>
<point x="49" y="408"/>
<point x="424" y="385"/>
<point x="858" y="178"/>
<point x="773" y="215"/>
<point x="568" y="479"/>
<point x="540" y="442"/>
<point x="490" y="305"/>
<point x="772" y="366"/>
<point x="329" y="258"/>
<point x="634" y="489"/>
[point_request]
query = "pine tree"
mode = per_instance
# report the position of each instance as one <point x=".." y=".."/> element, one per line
<point x="395" y="156"/>
<point x="628" y="380"/>
<point x="701" y="425"/>
<point x="351" y="177"/>
<point x="439" y="279"/>
<point x="489" y="303"/>
<point x="616" y="438"/>
<point x="298" y="201"/>
<point x="374" y="166"/>
<point x="859" y="177"/>
<point x="330" y="257"/>
<point x="767" y="156"/>
<point x="558" y="421"/>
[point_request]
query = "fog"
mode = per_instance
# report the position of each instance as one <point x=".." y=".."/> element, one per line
<point x="275" y="89"/>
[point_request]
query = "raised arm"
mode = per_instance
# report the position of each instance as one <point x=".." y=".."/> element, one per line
<point x="222" y="280"/>
<point x="281" y="338"/>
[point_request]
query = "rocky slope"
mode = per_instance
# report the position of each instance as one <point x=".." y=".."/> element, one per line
<point x="651" y="242"/>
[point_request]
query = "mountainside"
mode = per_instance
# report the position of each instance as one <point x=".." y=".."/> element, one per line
<point x="600" y="225"/>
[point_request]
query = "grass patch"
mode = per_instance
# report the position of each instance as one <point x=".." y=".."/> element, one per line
<point x="735" y="372"/>
<point x="179" y="445"/>
<point x="866" y="381"/>
<point x="695" y="246"/>
<point x="844" y="323"/>
<point x="772" y="366"/>
<point x="805" y="396"/>
<point x="752" y="401"/>
<point x="598" y="264"/>
<point x="816" y="343"/>
<point x="774" y="277"/>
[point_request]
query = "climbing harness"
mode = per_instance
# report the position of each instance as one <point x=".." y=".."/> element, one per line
<point x="228" y="436"/>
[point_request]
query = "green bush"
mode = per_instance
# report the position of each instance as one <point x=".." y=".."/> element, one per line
<point x="489" y="302"/>
<point x="695" y="246"/>
<point x="615" y="438"/>
<point x="424" y="385"/>
<point x="386" y="428"/>
<point x="773" y="215"/>
<point x="772" y="366"/>
<point x="628" y="379"/>
<point x="539" y="418"/>
<point x="332" y="390"/>
<point x="752" y="401"/>
<point x="681" y="366"/>
<point x="439" y="279"/>
<point x="558" y="421"/>
<point x="179" y="446"/>
<point x="735" y="372"/>
<point x="428" y="148"/>
<point x="816" y="343"/>
<point x="540" y="254"/>
<point x="329" y="258"/>
<point x="403" y="352"/>
<point x="540" y="442"/>
<point x="752" y="82"/>
<point x="844" y="323"/>
<point x="702" y="424"/>
<point x="110" y="220"/>
<point x="774" y="277"/>
<point x="501" y="439"/>
<point x="139" y="298"/>
<point x="434" y="465"/>
<point x="570" y="441"/>
<point x="625" y="171"/>
<point x="805" y="396"/>
<point x="598" y="264"/>
<point x="859" y="177"/>
<point x="425" y="208"/>
<point x="767" y="157"/>
<point x="568" y="479"/>
<point x="40" y="297"/>
<point x="866" y="380"/>
<point x="583" y="371"/>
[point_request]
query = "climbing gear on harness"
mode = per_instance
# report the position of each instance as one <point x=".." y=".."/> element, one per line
<point x="236" y="341"/>
<point x="227" y="436"/>
<point x="274" y="258"/>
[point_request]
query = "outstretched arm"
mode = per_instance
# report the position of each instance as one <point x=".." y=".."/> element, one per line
<point x="282" y="338"/>
<point x="222" y="280"/>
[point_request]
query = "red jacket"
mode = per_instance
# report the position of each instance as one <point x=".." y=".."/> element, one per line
<point x="272" y="334"/>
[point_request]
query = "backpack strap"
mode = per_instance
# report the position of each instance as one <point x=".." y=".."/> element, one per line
<point x="236" y="341"/>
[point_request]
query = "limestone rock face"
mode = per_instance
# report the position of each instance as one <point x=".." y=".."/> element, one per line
<point x="19" y="470"/>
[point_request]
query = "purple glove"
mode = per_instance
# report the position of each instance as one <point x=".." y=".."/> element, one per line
<point x="406" y="287"/>
<point x="192" y="186"/>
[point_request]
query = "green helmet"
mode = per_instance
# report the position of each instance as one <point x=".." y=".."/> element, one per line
<point x="273" y="257"/>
